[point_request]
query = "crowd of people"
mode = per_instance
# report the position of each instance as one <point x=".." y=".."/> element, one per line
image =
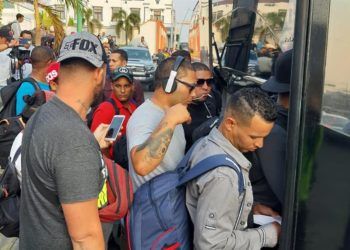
<point x="60" y="156"/>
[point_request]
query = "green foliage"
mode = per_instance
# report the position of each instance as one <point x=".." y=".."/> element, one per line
<point x="91" y="23"/>
<point x="127" y="23"/>
<point x="71" y="22"/>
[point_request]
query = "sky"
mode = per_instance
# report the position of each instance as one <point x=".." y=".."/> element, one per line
<point x="183" y="9"/>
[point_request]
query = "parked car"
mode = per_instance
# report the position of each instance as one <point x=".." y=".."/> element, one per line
<point x="141" y="64"/>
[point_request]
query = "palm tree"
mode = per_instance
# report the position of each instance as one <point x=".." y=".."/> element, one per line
<point x="127" y="23"/>
<point x="56" y="21"/>
<point x="91" y="23"/>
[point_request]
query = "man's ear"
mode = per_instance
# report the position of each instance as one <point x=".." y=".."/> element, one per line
<point x="100" y="74"/>
<point x="230" y="123"/>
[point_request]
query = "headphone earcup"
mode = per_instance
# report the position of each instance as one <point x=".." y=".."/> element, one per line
<point x="173" y="86"/>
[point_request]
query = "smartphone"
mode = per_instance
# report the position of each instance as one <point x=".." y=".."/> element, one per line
<point x="114" y="127"/>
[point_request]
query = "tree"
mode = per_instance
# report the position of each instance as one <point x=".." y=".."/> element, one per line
<point x="56" y="21"/>
<point x="223" y="25"/>
<point x="127" y="23"/>
<point x="91" y="23"/>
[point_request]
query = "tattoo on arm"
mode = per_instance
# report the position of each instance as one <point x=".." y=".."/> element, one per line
<point x="157" y="145"/>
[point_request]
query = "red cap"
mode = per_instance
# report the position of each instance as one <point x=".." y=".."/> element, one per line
<point x="52" y="71"/>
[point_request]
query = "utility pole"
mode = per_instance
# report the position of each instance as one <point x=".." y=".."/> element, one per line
<point x="210" y="19"/>
<point x="172" y="27"/>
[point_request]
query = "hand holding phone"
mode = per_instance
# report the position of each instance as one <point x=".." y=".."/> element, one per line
<point x="114" y="127"/>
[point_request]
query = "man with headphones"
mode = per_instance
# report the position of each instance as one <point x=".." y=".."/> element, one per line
<point x="156" y="140"/>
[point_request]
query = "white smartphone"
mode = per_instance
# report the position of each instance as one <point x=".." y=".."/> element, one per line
<point x="114" y="127"/>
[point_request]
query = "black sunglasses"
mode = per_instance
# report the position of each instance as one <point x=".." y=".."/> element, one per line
<point x="191" y="86"/>
<point x="209" y="81"/>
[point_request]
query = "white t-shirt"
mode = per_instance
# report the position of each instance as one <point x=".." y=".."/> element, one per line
<point x="16" y="28"/>
<point x="141" y="125"/>
<point x="15" y="146"/>
<point x="5" y="69"/>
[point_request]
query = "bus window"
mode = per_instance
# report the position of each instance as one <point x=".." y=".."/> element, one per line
<point x="336" y="98"/>
<point x="273" y="32"/>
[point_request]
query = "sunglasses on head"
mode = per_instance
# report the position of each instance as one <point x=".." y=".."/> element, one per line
<point x="209" y="81"/>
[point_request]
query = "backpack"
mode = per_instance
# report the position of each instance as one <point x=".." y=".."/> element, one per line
<point x="10" y="199"/>
<point x="158" y="218"/>
<point x="120" y="151"/>
<point x="9" y="129"/>
<point x="119" y="193"/>
<point x="8" y="97"/>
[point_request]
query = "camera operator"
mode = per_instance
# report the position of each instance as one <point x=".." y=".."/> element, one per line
<point x="22" y="60"/>
<point x="6" y="43"/>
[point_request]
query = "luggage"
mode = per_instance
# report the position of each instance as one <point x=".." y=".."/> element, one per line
<point x="118" y="191"/>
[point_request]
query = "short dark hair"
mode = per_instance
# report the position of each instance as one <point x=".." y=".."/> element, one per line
<point x="198" y="66"/>
<point x="75" y="62"/>
<point x="183" y="53"/>
<point x="123" y="54"/>
<point x="247" y="102"/>
<point x="163" y="70"/>
<point x="41" y="55"/>
<point x="25" y="32"/>
<point x="18" y="16"/>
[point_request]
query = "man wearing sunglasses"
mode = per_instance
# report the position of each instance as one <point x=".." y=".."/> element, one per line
<point x="156" y="140"/>
<point x="206" y="104"/>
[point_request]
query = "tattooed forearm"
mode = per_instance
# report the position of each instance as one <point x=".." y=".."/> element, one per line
<point x="156" y="146"/>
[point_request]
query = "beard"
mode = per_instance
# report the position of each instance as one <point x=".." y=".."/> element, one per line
<point x="98" y="95"/>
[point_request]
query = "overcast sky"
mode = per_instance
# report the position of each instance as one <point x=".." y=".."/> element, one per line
<point x="183" y="10"/>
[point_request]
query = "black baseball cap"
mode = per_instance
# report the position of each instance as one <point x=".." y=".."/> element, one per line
<point x="280" y="81"/>
<point x="6" y="32"/>
<point x="121" y="72"/>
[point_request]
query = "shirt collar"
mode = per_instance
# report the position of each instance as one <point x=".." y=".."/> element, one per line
<point x="218" y="138"/>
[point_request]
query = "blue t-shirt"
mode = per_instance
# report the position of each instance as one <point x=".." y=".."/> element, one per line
<point x="27" y="89"/>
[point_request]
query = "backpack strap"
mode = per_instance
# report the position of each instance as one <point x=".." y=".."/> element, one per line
<point x="211" y="163"/>
<point x="33" y="82"/>
<point x="116" y="109"/>
<point x="17" y="154"/>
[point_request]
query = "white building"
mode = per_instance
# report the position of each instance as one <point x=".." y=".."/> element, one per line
<point x="103" y="11"/>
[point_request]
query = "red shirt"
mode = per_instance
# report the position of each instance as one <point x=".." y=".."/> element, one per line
<point x="105" y="112"/>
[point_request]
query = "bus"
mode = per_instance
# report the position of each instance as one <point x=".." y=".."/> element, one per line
<point x="316" y="212"/>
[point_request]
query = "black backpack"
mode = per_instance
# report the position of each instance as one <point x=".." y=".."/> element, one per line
<point x="10" y="199"/>
<point x="9" y="129"/>
<point x="120" y="152"/>
<point x="8" y="97"/>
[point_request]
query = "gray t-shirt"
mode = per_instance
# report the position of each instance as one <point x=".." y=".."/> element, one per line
<point x="65" y="157"/>
<point x="141" y="125"/>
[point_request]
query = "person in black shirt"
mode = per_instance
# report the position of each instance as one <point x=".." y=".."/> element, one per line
<point x="269" y="163"/>
<point x="207" y="103"/>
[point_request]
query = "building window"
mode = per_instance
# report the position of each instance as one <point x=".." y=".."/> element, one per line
<point x="157" y="15"/>
<point x="59" y="10"/>
<point x="135" y="11"/>
<point x="115" y="10"/>
<point x="98" y="12"/>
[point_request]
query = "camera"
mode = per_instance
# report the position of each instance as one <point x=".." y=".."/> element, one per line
<point x="19" y="54"/>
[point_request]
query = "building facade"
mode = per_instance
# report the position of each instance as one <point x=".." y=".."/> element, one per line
<point x="102" y="10"/>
